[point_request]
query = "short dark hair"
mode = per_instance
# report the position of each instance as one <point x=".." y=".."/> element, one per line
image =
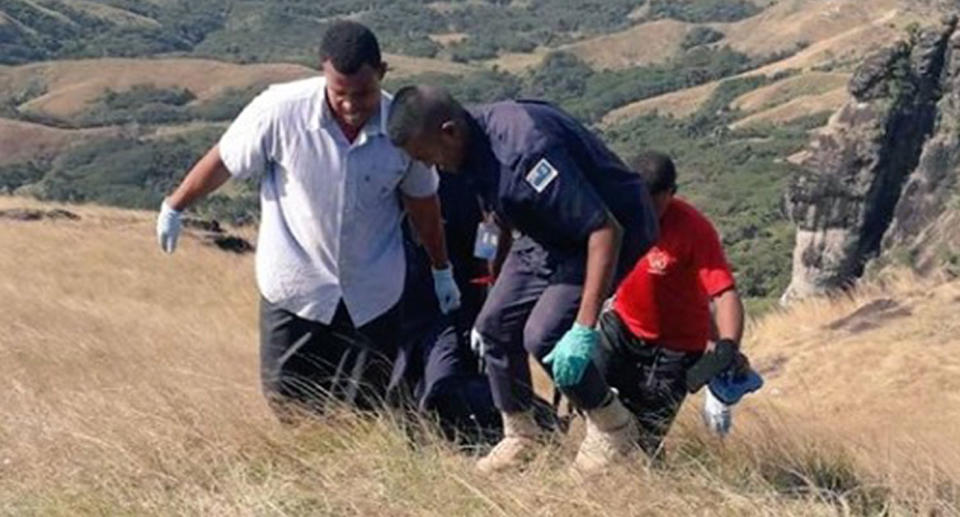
<point x="416" y="109"/>
<point x="349" y="46"/>
<point x="657" y="170"/>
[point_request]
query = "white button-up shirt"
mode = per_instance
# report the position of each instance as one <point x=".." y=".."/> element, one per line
<point x="330" y="214"/>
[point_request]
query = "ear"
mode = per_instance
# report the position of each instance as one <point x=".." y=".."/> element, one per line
<point x="382" y="70"/>
<point x="450" y="129"/>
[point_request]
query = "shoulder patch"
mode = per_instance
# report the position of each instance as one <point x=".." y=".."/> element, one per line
<point x="541" y="175"/>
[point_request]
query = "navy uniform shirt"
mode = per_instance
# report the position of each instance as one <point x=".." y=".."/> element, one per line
<point x="553" y="180"/>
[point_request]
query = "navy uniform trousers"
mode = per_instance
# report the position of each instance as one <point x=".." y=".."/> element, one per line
<point x="533" y="303"/>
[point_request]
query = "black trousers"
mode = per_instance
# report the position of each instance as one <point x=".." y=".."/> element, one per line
<point x="307" y="365"/>
<point x="650" y="379"/>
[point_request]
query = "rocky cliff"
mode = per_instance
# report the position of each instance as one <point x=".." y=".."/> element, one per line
<point x="878" y="181"/>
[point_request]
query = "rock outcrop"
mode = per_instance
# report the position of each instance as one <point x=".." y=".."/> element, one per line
<point x="879" y="176"/>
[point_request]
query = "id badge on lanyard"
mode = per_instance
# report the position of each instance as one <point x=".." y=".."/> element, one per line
<point x="485" y="245"/>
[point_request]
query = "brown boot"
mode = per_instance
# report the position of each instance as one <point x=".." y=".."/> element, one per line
<point x="611" y="439"/>
<point x="520" y="441"/>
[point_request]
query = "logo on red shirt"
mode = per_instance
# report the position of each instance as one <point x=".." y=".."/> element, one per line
<point x="657" y="261"/>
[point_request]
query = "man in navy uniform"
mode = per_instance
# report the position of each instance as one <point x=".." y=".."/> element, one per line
<point x="435" y="373"/>
<point x="583" y="219"/>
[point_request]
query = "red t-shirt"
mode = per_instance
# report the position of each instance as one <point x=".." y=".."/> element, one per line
<point x="665" y="298"/>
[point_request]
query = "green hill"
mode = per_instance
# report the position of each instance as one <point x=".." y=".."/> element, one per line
<point x="150" y="118"/>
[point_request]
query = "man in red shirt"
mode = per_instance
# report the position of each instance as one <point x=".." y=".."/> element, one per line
<point x="660" y="323"/>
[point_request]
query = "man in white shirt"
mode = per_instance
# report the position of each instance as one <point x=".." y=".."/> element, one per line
<point x="330" y="260"/>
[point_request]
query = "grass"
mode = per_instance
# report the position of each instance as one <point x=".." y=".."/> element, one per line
<point x="128" y="382"/>
<point x="780" y="92"/>
<point x="644" y="44"/>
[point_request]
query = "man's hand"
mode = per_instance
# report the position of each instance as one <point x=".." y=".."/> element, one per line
<point x="741" y="365"/>
<point x="716" y="415"/>
<point x="572" y="355"/>
<point x="168" y="227"/>
<point x="448" y="294"/>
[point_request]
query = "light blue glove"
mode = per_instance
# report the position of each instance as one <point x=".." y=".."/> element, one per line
<point x="168" y="227"/>
<point x="572" y="355"/>
<point x="448" y="294"/>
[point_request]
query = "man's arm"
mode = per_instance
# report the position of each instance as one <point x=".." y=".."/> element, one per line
<point x="728" y="324"/>
<point x="728" y="316"/>
<point x="206" y="176"/>
<point x="424" y="214"/>
<point x="603" y="248"/>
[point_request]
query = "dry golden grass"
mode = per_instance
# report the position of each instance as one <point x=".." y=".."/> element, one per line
<point x="799" y="107"/>
<point x="71" y="85"/>
<point x="847" y="27"/>
<point x="647" y="43"/>
<point x="808" y="83"/>
<point x="679" y="104"/>
<point x="840" y="33"/>
<point x="401" y="66"/>
<point x="129" y="387"/>
<point x="517" y="62"/>
<point x="22" y="141"/>
<point x="785" y="23"/>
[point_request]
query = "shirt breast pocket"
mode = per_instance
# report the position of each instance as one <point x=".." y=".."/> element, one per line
<point x="376" y="180"/>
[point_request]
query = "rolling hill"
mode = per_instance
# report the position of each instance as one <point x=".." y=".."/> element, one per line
<point x="720" y="73"/>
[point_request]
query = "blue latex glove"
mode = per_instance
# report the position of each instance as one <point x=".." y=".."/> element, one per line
<point x="448" y="294"/>
<point x="168" y="227"/>
<point x="572" y="355"/>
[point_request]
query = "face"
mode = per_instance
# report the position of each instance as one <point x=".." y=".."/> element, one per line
<point x="353" y="98"/>
<point x="660" y="202"/>
<point x="445" y="149"/>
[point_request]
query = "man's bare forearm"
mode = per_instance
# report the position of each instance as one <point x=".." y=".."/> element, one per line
<point x="603" y="248"/>
<point x="729" y="315"/>
<point x="207" y="175"/>
<point x="425" y="216"/>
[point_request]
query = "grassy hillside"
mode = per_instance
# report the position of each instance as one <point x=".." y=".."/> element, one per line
<point x="130" y="388"/>
<point x="23" y="141"/>
<point x="258" y="30"/>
